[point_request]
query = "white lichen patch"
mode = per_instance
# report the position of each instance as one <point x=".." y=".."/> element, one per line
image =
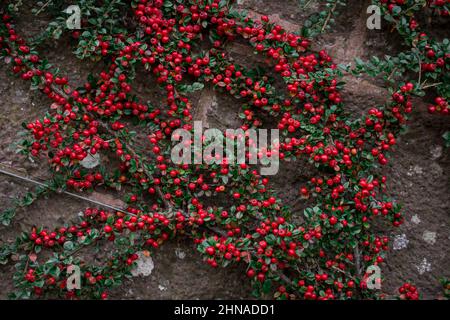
<point x="180" y="253"/>
<point x="415" y="219"/>
<point x="144" y="265"/>
<point x="436" y="152"/>
<point x="416" y="170"/>
<point x="424" y="266"/>
<point x="429" y="237"/>
<point x="91" y="161"/>
<point x="400" y="242"/>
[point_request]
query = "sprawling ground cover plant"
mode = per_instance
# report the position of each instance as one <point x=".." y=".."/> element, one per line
<point x="321" y="253"/>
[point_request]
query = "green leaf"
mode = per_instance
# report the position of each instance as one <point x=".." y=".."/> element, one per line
<point x="68" y="245"/>
<point x="267" y="285"/>
<point x="446" y="137"/>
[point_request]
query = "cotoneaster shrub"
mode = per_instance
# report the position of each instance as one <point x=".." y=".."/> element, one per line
<point x="321" y="253"/>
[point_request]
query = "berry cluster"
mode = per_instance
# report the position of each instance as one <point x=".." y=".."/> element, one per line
<point x="408" y="292"/>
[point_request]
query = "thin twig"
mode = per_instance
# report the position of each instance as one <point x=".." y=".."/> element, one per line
<point x="343" y="272"/>
<point x="62" y="191"/>
<point x="43" y="7"/>
<point x="391" y="74"/>
<point x="328" y="17"/>
<point x="430" y="85"/>
<point x="420" y="69"/>
<point x="28" y="259"/>
<point x="306" y="4"/>
<point x="357" y="261"/>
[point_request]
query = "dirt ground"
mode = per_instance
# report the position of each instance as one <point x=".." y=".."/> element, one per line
<point x="418" y="173"/>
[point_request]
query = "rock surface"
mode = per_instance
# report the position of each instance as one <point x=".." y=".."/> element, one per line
<point x="418" y="171"/>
